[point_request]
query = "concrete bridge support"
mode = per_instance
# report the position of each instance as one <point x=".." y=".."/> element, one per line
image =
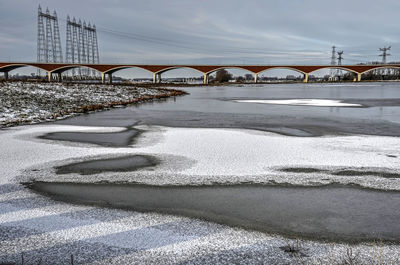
<point x="6" y="76"/>
<point x="110" y="78"/>
<point x="49" y="76"/>
<point x="305" y="80"/>
<point x="103" y="77"/>
<point x="59" y="77"/>
<point x="206" y="78"/>
<point x="357" y="78"/>
<point x="255" y="78"/>
<point x="156" y="78"/>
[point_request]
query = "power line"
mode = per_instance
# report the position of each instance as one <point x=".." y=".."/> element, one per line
<point x="171" y="43"/>
<point x="225" y="50"/>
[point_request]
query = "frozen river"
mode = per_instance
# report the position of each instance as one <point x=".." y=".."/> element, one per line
<point x="317" y="161"/>
<point x="324" y="141"/>
<point x="217" y="107"/>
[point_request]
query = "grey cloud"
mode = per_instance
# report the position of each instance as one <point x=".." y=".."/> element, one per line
<point x="182" y="31"/>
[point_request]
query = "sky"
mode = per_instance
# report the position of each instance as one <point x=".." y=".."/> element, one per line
<point x="214" y="32"/>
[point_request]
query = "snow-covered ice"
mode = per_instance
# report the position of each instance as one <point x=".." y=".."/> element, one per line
<point x="205" y="156"/>
<point x="301" y="102"/>
<point x="39" y="227"/>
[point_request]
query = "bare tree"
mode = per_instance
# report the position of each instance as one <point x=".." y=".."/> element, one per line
<point x="240" y="79"/>
<point x="248" y="77"/>
<point x="223" y="76"/>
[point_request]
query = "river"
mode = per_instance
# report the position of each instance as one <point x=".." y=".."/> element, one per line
<point x="215" y="130"/>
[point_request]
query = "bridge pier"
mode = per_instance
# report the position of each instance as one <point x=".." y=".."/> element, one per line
<point x="156" y="78"/>
<point x="110" y="78"/>
<point x="102" y="77"/>
<point x="49" y="76"/>
<point x="5" y="76"/>
<point x="206" y="77"/>
<point x="59" y="77"/>
<point x="255" y="78"/>
<point x="358" y="77"/>
<point x="305" y="80"/>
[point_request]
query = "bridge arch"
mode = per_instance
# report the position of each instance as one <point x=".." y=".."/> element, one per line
<point x="336" y="67"/>
<point x="229" y="67"/>
<point x="62" y="69"/>
<point x="114" y="69"/>
<point x="10" y="67"/>
<point x="226" y="67"/>
<point x="118" y="68"/>
<point x="283" y="68"/>
<point x="171" y="72"/>
<point x="277" y="73"/>
<point x="177" y="68"/>
<point x="381" y="67"/>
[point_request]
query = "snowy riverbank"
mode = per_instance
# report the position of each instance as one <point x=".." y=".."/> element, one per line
<point x="27" y="102"/>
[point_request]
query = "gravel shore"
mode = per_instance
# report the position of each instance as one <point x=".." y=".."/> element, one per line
<point x="28" y="102"/>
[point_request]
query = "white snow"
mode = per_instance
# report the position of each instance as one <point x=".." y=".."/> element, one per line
<point x="42" y="228"/>
<point x="20" y="149"/>
<point x="19" y="215"/>
<point x="245" y="152"/>
<point x="302" y="102"/>
<point x="205" y="156"/>
<point x="83" y="232"/>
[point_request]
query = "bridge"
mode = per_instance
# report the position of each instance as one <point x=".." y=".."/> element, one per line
<point x="54" y="70"/>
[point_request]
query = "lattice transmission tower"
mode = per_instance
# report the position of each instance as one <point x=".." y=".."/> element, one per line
<point x="340" y="58"/>
<point x="82" y="45"/>
<point x="333" y="62"/>
<point x="48" y="38"/>
<point x="384" y="54"/>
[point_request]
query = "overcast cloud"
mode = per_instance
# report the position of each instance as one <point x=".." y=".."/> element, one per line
<point x="203" y="31"/>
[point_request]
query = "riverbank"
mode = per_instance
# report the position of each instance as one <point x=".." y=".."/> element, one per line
<point x="29" y="102"/>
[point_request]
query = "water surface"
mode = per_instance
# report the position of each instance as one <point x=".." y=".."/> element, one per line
<point x="329" y="212"/>
<point x="215" y="107"/>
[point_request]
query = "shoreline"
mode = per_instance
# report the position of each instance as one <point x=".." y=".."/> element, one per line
<point x="210" y="84"/>
<point x="71" y="109"/>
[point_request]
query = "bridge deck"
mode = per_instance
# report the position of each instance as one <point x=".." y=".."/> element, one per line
<point x="157" y="70"/>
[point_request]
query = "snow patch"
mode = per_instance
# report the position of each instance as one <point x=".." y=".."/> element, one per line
<point x="303" y="102"/>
